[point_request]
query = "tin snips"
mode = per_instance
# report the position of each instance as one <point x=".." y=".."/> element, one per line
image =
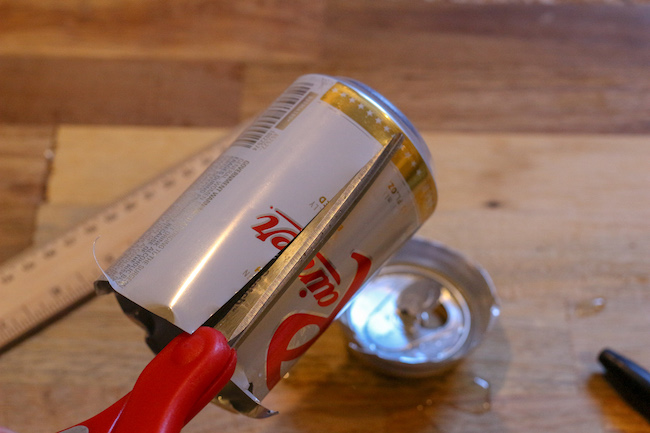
<point x="192" y="369"/>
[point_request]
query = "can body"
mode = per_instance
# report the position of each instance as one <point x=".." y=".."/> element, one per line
<point x="257" y="196"/>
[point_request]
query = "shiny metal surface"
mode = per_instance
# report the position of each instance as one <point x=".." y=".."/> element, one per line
<point x="426" y="309"/>
<point x="269" y="286"/>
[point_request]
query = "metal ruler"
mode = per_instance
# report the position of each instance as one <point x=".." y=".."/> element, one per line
<point x="44" y="282"/>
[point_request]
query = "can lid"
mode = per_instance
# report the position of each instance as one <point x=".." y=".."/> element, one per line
<point x="425" y="310"/>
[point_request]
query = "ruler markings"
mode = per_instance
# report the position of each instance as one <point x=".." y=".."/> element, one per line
<point x="46" y="281"/>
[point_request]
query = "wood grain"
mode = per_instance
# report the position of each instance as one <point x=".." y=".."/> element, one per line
<point x="512" y="67"/>
<point x="151" y="150"/>
<point x="500" y="68"/>
<point x="517" y="203"/>
<point x="24" y="169"/>
<point x="154" y="92"/>
<point x="258" y="31"/>
<point x="539" y="113"/>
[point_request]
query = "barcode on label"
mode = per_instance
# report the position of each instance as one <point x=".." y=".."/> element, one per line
<point x="273" y="115"/>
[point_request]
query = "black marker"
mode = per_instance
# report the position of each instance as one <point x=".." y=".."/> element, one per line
<point x="629" y="379"/>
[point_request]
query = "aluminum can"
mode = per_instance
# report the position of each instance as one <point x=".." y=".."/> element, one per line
<point x="255" y="198"/>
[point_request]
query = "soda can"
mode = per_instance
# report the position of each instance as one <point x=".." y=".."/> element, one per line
<point x="425" y="310"/>
<point x="253" y="200"/>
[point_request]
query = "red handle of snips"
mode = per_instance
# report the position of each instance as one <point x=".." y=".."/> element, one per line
<point x="179" y="382"/>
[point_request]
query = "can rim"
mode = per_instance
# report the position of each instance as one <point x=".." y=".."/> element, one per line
<point x="407" y="127"/>
<point x="442" y="264"/>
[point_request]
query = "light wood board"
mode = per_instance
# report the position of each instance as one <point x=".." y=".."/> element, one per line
<point x="557" y="220"/>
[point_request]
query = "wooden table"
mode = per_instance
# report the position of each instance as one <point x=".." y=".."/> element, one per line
<point x="537" y="119"/>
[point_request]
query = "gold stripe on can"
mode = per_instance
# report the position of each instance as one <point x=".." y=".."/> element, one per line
<point x="383" y="128"/>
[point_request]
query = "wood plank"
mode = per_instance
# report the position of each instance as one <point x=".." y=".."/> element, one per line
<point x="181" y="29"/>
<point x="467" y="67"/>
<point x="560" y="68"/>
<point x="122" y="158"/>
<point x="107" y="91"/>
<point x="555" y="219"/>
<point x="24" y="168"/>
<point x="537" y="196"/>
